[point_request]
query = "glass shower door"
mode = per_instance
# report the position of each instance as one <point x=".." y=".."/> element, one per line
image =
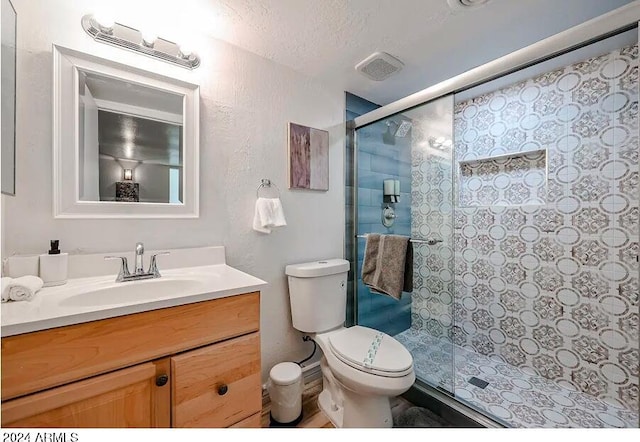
<point x="381" y="155"/>
<point x="420" y="157"/>
<point x="430" y="338"/>
<point x="525" y="238"/>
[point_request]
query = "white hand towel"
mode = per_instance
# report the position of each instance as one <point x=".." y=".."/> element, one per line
<point x="260" y="212"/>
<point x="23" y="288"/>
<point x="268" y="213"/>
<point x="276" y="214"/>
<point x="6" y="281"/>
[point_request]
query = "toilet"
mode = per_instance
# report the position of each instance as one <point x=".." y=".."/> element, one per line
<point x="361" y="367"/>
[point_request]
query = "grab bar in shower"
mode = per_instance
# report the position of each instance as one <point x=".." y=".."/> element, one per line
<point x="429" y="241"/>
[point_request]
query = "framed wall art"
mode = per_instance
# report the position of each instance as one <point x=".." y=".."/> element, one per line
<point x="308" y="158"/>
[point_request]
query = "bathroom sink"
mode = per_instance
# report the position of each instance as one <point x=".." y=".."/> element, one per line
<point x="96" y="297"/>
<point x="132" y="292"/>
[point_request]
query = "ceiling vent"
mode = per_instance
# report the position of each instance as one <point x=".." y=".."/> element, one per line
<point x="457" y="5"/>
<point x="379" y="66"/>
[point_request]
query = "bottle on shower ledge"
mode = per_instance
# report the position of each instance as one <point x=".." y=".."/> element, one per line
<point x="54" y="266"/>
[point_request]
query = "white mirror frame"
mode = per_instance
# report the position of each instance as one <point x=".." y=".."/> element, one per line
<point x="66" y="190"/>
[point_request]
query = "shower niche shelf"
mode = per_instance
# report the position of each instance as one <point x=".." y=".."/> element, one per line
<point x="513" y="179"/>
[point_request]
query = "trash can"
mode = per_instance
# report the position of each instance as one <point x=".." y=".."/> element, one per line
<point x="285" y="391"/>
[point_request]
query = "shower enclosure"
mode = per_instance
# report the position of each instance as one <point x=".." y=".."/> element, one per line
<point x="521" y="195"/>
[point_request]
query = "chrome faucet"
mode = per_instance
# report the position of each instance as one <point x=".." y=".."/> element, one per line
<point x="139" y="256"/>
<point x="139" y="273"/>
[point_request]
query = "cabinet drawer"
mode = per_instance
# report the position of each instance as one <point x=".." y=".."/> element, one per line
<point x="34" y="361"/>
<point x="199" y="378"/>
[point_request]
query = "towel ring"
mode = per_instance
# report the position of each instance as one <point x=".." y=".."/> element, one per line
<point x="266" y="183"/>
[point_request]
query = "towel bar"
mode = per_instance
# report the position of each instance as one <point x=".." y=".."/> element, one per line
<point x="266" y="183"/>
<point x="430" y="241"/>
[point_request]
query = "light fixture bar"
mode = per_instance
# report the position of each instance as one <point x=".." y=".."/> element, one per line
<point x="129" y="38"/>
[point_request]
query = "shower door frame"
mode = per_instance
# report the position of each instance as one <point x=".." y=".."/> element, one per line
<point x="619" y="20"/>
<point x="599" y="28"/>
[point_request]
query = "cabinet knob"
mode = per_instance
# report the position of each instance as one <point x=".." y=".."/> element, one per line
<point x="222" y="390"/>
<point x="162" y="380"/>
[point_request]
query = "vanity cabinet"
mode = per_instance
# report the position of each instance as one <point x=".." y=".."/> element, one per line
<point x="194" y="365"/>
<point x="124" y="398"/>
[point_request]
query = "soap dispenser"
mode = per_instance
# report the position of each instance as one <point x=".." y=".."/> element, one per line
<point x="54" y="266"/>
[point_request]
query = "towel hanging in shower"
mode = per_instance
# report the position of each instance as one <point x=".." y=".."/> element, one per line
<point x="388" y="264"/>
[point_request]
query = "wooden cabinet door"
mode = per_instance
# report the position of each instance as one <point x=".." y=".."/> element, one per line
<point x="218" y="385"/>
<point x="120" y="399"/>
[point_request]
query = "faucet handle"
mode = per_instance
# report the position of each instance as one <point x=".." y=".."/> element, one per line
<point x="124" y="267"/>
<point x="153" y="267"/>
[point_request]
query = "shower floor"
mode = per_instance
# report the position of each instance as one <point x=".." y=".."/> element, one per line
<point x="513" y="397"/>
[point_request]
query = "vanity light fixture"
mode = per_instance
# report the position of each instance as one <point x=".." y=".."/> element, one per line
<point x="127" y="174"/>
<point x="106" y="30"/>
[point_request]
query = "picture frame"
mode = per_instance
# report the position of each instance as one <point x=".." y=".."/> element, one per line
<point x="8" y="53"/>
<point x="308" y="158"/>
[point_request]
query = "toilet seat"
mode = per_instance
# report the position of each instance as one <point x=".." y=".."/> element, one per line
<point x="371" y="351"/>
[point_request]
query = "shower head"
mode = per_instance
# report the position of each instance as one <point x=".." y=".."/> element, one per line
<point x="403" y="129"/>
<point x="395" y="129"/>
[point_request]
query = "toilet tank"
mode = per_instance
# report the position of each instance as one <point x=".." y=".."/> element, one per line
<point x="318" y="294"/>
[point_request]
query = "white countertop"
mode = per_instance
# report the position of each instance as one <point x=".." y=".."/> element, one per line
<point x="93" y="298"/>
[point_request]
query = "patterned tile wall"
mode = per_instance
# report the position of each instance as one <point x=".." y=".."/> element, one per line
<point x="551" y="288"/>
<point x="511" y="180"/>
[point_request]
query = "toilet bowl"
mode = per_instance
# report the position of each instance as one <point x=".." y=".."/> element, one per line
<point x="361" y="367"/>
<point x="356" y="387"/>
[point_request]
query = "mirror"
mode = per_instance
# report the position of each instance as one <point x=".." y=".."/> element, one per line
<point x="125" y="141"/>
<point x="130" y="141"/>
<point x="8" y="92"/>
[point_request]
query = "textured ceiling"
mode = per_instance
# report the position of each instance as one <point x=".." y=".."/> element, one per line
<point x="325" y="39"/>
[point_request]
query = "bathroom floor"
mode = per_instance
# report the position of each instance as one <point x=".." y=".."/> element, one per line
<point x="314" y="418"/>
<point x="514" y="397"/>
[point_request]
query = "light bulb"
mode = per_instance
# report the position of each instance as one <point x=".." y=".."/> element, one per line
<point x="148" y="38"/>
<point x="185" y="51"/>
<point x="104" y="20"/>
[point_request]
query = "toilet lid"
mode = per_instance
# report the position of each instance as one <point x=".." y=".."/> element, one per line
<point x="370" y="350"/>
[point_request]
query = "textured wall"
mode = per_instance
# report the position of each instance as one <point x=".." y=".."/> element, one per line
<point x="246" y="103"/>
<point x="554" y="286"/>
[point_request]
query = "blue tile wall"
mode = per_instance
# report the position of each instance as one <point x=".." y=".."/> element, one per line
<point x="377" y="161"/>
